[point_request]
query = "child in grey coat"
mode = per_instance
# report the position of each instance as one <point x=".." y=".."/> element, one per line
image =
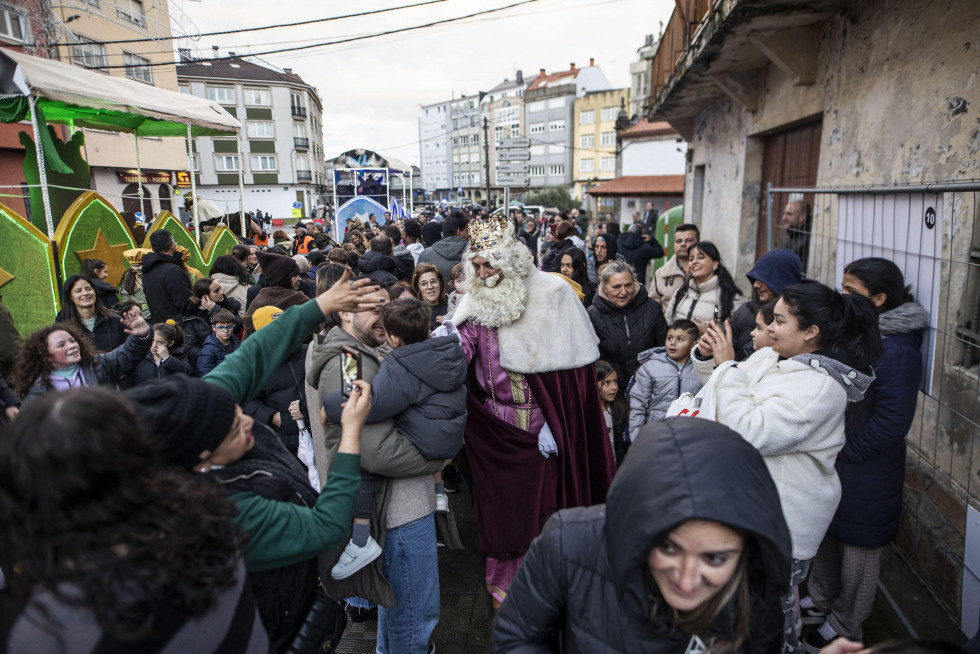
<point x="421" y="386"/>
<point x="664" y="373"/>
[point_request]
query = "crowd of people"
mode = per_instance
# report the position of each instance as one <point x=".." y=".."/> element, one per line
<point x="658" y="458"/>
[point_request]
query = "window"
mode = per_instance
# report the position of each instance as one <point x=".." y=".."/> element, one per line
<point x="609" y="114"/>
<point x="474" y="139"/>
<point x="261" y="130"/>
<point x="586" y="141"/>
<point x="12" y="26"/>
<point x="195" y="163"/>
<point x="515" y="131"/>
<point x="260" y="97"/>
<point x="607" y="164"/>
<point x="536" y="128"/>
<point x="184" y="89"/>
<point x="85" y="52"/>
<point x="556" y="125"/>
<point x="222" y="94"/>
<point x="556" y="103"/>
<point x="264" y="162"/>
<point x="587" y="117"/>
<point x="536" y="106"/>
<point x="586" y="165"/>
<point x="299" y="131"/>
<point x="536" y="150"/>
<point x="131" y="11"/>
<point x="226" y="162"/>
<point x="139" y="68"/>
<point x="557" y="169"/>
<point x="302" y="163"/>
<point x="607" y="138"/>
<point x="537" y="171"/>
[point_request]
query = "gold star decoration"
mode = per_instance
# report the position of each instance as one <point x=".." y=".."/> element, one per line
<point x="5" y="276"/>
<point x="111" y="254"/>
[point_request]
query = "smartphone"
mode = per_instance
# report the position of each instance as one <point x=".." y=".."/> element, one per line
<point x="350" y="369"/>
<point x="716" y="312"/>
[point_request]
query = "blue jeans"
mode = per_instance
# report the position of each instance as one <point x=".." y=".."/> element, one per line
<point x="412" y="568"/>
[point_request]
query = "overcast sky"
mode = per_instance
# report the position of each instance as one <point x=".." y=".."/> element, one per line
<point x="372" y="89"/>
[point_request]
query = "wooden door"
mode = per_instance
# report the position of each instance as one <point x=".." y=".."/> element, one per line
<point x="790" y="158"/>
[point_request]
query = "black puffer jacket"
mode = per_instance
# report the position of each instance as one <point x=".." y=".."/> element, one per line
<point x="872" y="464"/>
<point x="166" y="285"/>
<point x="106" y="335"/>
<point x="584" y="586"/>
<point x="552" y="258"/>
<point x="624" y="333"/>
<point x="175" y="364"/>
<point x="105" y="292"/>
<point x="284" y="385"/>
<point x="378" y="267"/>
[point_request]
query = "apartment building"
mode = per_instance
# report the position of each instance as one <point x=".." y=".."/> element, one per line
<point x="466" y="147"/>
<point x="549" y="115"/>
<point x="435" y="140"/>
<point x="594" y="138"/>
<point x="282" y="140"/>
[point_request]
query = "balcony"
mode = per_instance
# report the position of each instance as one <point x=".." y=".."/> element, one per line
<point x="715" y="48"/>
<point x="298" y="112"/>
<point x="301" y="143"/>
<point x="304" y="176"/>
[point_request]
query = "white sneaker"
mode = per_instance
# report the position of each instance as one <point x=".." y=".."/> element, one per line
<point x="442" y="503"/>
<point x="354" y="558"/>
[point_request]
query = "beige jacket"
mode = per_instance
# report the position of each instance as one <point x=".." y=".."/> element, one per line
<point x="666" y="281"/>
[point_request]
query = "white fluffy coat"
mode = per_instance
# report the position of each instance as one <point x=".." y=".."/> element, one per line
<point x="553" y="333"/>
<point x="793" y="413"/>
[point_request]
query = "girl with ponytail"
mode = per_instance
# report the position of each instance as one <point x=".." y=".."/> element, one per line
<point x="789" y="401"/>
<point x="871" y="466"/>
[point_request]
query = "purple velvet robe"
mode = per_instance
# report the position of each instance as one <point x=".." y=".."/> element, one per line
<point x="517" y="489"/>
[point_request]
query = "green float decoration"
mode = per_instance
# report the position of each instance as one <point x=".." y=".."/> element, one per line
<point x="92" y="229"/>
<point x="27" y="273"/>
<point x="221" y="241"/>
<point x="77" y="176"/>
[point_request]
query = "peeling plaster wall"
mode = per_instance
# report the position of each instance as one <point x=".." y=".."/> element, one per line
<point x="901" y="99"/>
<point x="731" y="200"/>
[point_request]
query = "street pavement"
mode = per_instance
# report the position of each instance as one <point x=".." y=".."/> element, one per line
<point x="466" y="617"/>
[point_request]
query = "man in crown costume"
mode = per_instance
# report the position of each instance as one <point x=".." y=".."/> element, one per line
<point x="535" y="435"/>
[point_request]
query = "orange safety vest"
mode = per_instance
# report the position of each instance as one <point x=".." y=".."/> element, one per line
<point x="303" y="246"/>
<point x="261" y="242"/>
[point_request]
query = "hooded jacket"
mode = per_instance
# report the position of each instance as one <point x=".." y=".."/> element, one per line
<point x="666" y="280"/>
<point x="612" y="252"/>
<point x="284" y="385"/>
<point x="445" y="254"/>
<point x="166" y="285"/>
<point x="105" y="291"/>
<point x="658" y="381"/>
<point x="378" y="267"/>
<point x="792" y="411"/>
<point x="383" y="451"/>
<point x="551" y="262"/>
<point x="777" y="269"/>
<point x="638" y="252"/>
<point x="232" y="288"/>
<point x="624" y="333"/>
<point x="872" y="464"/>
<point x="584" y="586"/>
<point x="422" y="387"/>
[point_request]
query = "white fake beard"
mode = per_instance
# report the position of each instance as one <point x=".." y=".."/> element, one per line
<point x="498" y="300"/>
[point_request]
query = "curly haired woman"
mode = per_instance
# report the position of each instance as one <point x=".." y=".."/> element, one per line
<point x="105" y="548"/>
<point x="58" y="358"/>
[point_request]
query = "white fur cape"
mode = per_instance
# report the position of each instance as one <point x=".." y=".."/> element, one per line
<point x="553" y="333"/>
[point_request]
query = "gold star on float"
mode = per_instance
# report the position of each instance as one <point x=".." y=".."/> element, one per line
<point x="5" y="276"/>
<point x="111" y="254"/>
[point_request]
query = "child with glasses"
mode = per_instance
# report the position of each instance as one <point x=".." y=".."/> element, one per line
<point x="219" y="344"/>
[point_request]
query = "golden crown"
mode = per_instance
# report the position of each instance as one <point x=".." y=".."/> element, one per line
<point x="487" y="233"/>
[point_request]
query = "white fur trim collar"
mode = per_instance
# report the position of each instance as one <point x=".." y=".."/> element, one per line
<point x="553" y="333"/>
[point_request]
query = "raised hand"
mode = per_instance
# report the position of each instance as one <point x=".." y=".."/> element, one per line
<point x="133" y="322"/>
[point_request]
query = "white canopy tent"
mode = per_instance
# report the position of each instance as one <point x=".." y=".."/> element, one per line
<point x="68" y="94"/>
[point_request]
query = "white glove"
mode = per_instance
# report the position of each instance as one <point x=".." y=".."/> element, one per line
<point x="445" y="329"/>
<point x="546" y="442"/>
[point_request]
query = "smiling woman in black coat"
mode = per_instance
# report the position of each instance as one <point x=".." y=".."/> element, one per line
<point x="690" y="552"/>
<point x="625" y="319"/>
